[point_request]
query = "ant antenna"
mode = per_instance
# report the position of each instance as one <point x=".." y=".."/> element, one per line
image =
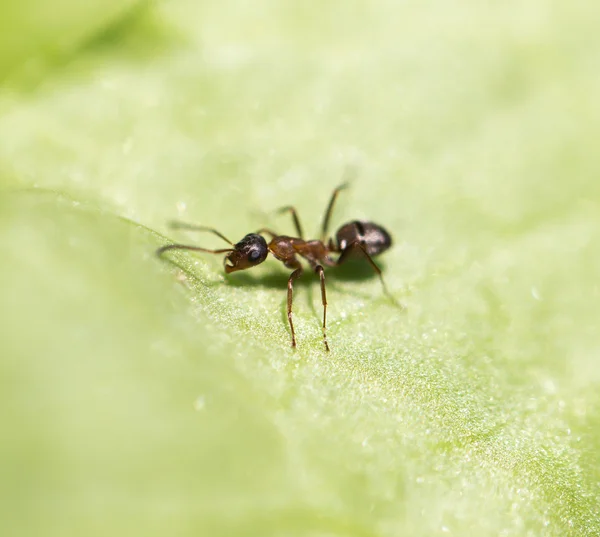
<point x="163" y="249"/>
<point x="176" y="224"/>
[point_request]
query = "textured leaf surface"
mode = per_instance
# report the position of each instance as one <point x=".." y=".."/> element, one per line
<point x="159" y="397"/>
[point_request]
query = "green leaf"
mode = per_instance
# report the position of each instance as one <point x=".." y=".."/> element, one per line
<point x="157" y="396"/>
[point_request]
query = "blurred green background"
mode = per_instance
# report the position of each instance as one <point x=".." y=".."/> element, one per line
<point x="157" y="397"/>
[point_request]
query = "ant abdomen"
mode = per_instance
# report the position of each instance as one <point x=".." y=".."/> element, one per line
<point x="372" y="237"/>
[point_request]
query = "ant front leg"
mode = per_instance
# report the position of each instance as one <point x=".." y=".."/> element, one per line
<point x="321" y="272"/>
<point x="293" y="276"/>
<point x="358" y="246"/>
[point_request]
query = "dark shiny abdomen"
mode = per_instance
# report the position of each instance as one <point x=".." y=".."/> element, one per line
<point x="374" y="238"/>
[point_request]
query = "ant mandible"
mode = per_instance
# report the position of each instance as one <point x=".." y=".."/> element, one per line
<point x="353" y="238"/>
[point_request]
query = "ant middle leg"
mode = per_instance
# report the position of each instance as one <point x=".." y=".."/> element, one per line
<point x="293" y="276"/>
<point x="358" y="246"/>
<point x="267" y="231"/>
<point x="290" y="209"/>
<point x="321" y="272"/>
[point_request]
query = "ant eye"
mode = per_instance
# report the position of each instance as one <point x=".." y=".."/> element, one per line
<point x="254" y="255"/>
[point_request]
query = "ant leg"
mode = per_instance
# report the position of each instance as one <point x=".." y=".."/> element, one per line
<point x="358" y="246"/>
<point x="294" y="275"/>
<point x="319" y="270"/>
<point x="264" y="230"/>
<point x="327" y="217"/>
<point x="176" y="224"/>
<point x="292" y="210"/>
<point x="163" y="249"/>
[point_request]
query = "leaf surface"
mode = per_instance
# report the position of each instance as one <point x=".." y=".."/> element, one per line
<point x="157" y="396"/>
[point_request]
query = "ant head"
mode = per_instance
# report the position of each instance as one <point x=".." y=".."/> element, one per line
<point x="250" y="251"/>
<point x="374" y="238"/>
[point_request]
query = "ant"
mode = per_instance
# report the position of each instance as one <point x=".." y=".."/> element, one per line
<point x="366" y="239"/>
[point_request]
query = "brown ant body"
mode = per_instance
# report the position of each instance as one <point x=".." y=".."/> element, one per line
<point x="353" y="238"/>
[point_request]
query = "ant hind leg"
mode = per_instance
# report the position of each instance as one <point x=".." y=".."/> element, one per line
<point x="321" y="272"/>
<point x="293" y="276"/>
<point x="358" y="246"/>
<point x="329" y="210"/>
